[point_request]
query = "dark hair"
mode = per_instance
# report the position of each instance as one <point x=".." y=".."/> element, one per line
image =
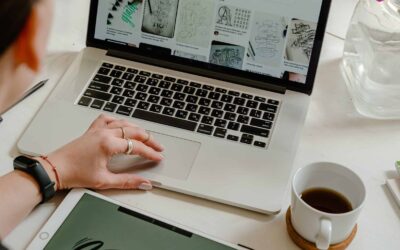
<point x="13" y="17"/>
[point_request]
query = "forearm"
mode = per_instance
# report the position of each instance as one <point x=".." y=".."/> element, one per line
<point x="19" y="195"/>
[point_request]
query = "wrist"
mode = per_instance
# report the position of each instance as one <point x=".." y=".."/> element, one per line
<point x="50" y="172"/>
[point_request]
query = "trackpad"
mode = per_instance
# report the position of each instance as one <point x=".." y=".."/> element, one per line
<point x="179" y="153"/>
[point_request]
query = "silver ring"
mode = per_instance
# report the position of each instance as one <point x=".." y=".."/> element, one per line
<point x="148" y="137"/>
<point x="123" y="132"/>
<point x="130" y="147"/>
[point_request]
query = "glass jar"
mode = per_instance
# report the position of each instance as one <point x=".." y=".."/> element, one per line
<point x="371" y="59"/>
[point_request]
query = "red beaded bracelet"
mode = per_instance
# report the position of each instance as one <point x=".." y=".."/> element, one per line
<point x="46" y="158"/>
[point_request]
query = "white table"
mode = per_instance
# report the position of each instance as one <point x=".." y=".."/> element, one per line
<point x="333" y="132"/>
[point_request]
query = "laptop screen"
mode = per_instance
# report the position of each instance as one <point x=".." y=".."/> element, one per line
<point x="266" y="37"/>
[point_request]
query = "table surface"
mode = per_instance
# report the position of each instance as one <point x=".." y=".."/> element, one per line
<point x="334" y="132"/>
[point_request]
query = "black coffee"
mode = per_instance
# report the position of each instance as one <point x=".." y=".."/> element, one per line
<point x="326" y="200"/>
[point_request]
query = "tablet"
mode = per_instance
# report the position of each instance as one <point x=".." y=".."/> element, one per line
<point x="87" y="220"/>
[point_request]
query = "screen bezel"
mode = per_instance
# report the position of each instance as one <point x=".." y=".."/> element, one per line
<point x="207" y="69"/>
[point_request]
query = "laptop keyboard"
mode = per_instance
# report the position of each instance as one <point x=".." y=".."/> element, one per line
<point x="180" y="103"/>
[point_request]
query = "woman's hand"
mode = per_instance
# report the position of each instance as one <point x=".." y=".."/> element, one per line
<point x="83" y="162"/>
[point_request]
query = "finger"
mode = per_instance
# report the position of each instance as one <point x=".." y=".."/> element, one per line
<point x="125" y="181"/>
<point x="121" y="124"/>
<point x="139" y="134"/>
<point x="102" y="121"/>
<point x="120" y="146"/>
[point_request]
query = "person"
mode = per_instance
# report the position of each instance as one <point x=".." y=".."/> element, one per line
<point x="81" y="163"/>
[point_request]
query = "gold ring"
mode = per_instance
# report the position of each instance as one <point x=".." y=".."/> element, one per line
<point x="123" y="132"/>
<point x="148" y="137"/>
<point x="130" y="147"/>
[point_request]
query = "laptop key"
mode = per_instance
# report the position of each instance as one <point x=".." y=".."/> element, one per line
<point x="116" y="91"/>
<point x="121" y="68"/>
<point x="117" y="82"/>
<point x="144" y="73"/>
<point x="154" y="91"/>
<point x="179" y="105"/>
<point x="164" y="84"/>
<point x="191" y="107"/>
<point x="243" y="110"/>
<point x="130" y="102"/>
<point x="123" y="110"/>
<point x="254" y="131"/>
<point x="99" y="86"/>
<point x="247" y="139"/>
<point x="166" y="102"/>
<point x="128" y="93"/>
<point x="181" y="114"/>
<point x="217" y="105"/>
<point x="170" y="79"/>
<point x="227" y="98"/>
<point x="195" y="84"/>
<point x="152" y="82"/>
<point x="255" y="113"/>
<point x="140" y="79"/>
<point x="194" y="117"/>
<point x="142" y="88"/>
<point x="234" y="93"/>
<point x="214" y="95"/>
<point x="217" y="113"/>
<point x="230" y="107"/>
<point x="205" y="129"/>
<point x="273" y="102"/>
<point x="230" y="116"/>
<point x="118" y="99"/>
<point x="132" y="71"/>
<point x="104" y="71"/>
<point x="110" y="107"/>
<point x="157" y="76"/>
<point x="176" y="87"/>
<point x="204" y="110"/>
<point x="168" y="111"/>
<point x="208" y="87"/>
<point x="141" y="96"/>
<point x="247" y="96"/>
<point x="128" y="76"/>
<point x="179" y="96"/>
<point x="232" y="138"/>
<point x="220" y="123"/>
<point x="153" y="99"/>
<point x="129" y="85"/>
<point x="260" y="144"/>
<point x="205" y="102"/>
<point x="220" y="132"/>
<point x="102" y="79"/>
<point x="167" y="93"/>
<point x="268" y="116"/>
<point x="189" y="90"/>
<point x="233" y="126"/>
<point x="156" y="108"/>
<point x="201" y="92"/>
<point x="97" y="94"/>
<point x="252" y="104"/>
<point x="116" y="73"/>
<point x="268" y="108"/>
<point x="143" y="106"/>
<point x="166" y="120"/>
<point x="207" y="120"/>
<point x="107" y="65"/>
<point x="85" y="101"/>
<point x="243" y="119"/>
<point x="260" y="99"/>
<point x="192" y="99"/>
<point x="239" y="101"/>
<point x="261" y="123"/>
<point x="222" y="91"/>
<point x="184" y="82"/>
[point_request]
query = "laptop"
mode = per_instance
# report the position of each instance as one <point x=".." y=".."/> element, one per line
<point x="224" y="85"/>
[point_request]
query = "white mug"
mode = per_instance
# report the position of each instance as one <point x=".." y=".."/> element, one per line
<point x="325" y="229"/>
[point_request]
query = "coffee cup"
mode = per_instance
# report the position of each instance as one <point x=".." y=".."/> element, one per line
<point x="327" y="199"/>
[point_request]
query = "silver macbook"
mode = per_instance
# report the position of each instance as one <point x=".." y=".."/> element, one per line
<point x="224" y="85"/>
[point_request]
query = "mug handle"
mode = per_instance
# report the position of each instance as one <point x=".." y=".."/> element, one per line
<point x="324" y="235"/>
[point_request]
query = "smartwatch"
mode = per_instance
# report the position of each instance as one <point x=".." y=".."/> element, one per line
<point x="37" y="171"/>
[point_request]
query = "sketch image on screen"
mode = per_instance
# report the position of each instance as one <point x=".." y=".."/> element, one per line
<point x="195" y="22"/>
<point x="233" y="17"/>
<point x="301" y="36"/>
<point x="228" y="55"/>
<point x="159" y="17"/>
<point x="190" y="56"/>
<point x="267" y="40"/>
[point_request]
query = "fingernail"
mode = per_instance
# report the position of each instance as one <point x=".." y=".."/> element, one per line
<point x="145" y="186"/>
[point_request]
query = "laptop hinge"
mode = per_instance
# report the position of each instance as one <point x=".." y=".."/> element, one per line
<point x="197" y="71"/>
